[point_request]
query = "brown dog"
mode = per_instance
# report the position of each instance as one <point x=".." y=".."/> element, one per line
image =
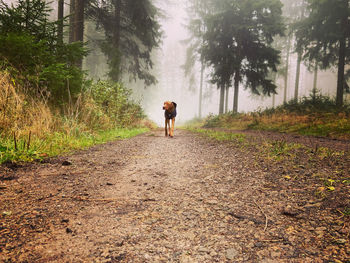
<point x="169" y="114"/>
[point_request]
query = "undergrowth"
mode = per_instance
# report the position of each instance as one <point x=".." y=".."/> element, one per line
<point x="31" y="128"/>
<point x="316" y="115"/>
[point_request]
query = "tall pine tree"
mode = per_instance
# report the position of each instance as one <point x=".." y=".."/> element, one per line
<point x="238" y="44"/>
<point x="325" y="37"/>
<point x="132" y="32"/>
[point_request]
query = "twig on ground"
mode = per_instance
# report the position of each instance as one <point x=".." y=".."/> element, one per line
<point x="78" y="198"/>
<point x="272" y="240"/>
<point x="266" y="219"/>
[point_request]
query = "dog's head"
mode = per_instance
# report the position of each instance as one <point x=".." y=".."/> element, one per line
<point x="169" y="106"/>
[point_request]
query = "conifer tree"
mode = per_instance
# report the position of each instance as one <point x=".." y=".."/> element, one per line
<point x="132" y="32"/>
<point x="238" y="44"/>
<point x="325" y="37"/>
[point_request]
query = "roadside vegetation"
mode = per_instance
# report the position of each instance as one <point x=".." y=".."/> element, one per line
<point x="316" y="115"/>
<point x="48" y="105"/>
<point x="32" y="129"/>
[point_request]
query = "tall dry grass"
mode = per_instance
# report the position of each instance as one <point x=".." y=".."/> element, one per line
<point x="21" y="114"/>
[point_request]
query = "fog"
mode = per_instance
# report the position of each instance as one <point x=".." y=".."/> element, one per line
<point x="173" y="86"/>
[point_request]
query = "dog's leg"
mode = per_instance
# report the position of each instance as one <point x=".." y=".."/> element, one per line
<point x="166" y="129"/>
<point x="169" y="128"/>
<point x="172" y="127"/>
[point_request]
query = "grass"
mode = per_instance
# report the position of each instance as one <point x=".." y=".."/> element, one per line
<point x="58" y="143"/>
<point x="277" y="150"/>
<point x="31" y="128"/>
<point x="334" y="125"/>
<point x="315" y="115"/>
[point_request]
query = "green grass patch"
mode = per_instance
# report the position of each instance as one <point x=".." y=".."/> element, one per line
<point x="280" y="149"/>
<point x="277" y="150"/>
<point x="316" y="115"/>
<point x="58" y="143"/>
<point x="334" y="125"/>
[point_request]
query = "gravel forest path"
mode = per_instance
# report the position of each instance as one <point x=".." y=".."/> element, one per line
<point x="156" y="199"/>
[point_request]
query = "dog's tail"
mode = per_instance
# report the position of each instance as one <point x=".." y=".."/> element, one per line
<point x="174" y="104"/>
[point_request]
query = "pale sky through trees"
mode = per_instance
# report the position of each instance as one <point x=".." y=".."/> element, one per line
<point x="171" y="77"/>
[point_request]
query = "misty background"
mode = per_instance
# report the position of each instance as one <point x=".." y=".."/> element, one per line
<point x="174" y="86"/>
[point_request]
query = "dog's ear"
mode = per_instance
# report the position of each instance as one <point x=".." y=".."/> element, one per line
<point x="174" y="104"/>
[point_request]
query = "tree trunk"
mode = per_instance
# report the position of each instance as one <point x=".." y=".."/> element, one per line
<point x="236" y="89"/>
<point x="115" y="60"/>
<point x="79" y="25"/>
<point x="287" y="70"/>
<point x="300" y="54"/>
<point x="314" y="88"/>
<point x="60" y="21"/>
<point x="341" y="69"/>
<point x="79" y="21"/>
<point x="341" y="62"/>
<point x="226" y="97"/>
<point x="201" y="91"/>
<point x="297" y="77"/>
<point x="71" y="21"/>
<point x="274" y="95"/>
<point x="222" y="98"/>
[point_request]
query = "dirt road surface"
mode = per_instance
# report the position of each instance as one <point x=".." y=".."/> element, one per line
<point x="156" y="199"/>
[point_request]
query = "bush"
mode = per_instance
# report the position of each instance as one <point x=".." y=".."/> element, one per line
<point x="314" y="103"/>
<point x="114" y="100"/>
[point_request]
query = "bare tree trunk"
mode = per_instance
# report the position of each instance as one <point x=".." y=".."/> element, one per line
<point x="341" y="69"/>
<point x="300" y="54"/>
<point x="115" y="61"/>
<point x="274" y="95"/>
<point x="297" y="77"/>
<point x="287" y="70"/>
<point x="201" y="91"/>
<point x="60" y="21"/>
<point x="236" y="89"/>
<point x="222" y="98"/>
<point x="227" y="88"/>
<point x="79" y="25"/>
<point x="79" y="20"/>
<point x="341" y="62"/>
<point x="71" y="21"/>
<point x="314" y="88"/>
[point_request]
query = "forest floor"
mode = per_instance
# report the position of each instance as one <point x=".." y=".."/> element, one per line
<point x="186" y="199"/>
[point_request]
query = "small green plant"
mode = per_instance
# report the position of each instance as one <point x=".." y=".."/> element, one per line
<point x="279" y="147"/>
<point x="346" y="211"/>
<point x="330" y="184"/>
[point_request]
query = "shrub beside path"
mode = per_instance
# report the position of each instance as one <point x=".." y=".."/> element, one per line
<point x="186" y="199"/>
